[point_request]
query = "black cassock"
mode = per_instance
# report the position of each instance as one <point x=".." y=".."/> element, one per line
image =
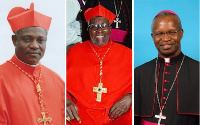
<point x="182" y="106"/>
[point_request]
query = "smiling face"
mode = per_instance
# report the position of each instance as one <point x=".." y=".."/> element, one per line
<point x="167" y="35"/>
<point x="30" y="44"/>
<point x="101" y="34"/>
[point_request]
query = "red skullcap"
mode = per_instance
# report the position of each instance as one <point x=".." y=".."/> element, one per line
<point x="169" y="11"/>
<point x="20" y="18"/>
<point x="99" y="11"/>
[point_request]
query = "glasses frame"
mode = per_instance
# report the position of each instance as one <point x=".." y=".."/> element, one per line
<point x="170" y="34"/>
<point x="98" y="26"/>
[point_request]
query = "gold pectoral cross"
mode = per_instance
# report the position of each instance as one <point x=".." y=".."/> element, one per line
<point x="99" y="91"/>
<point x="44" y="119"/>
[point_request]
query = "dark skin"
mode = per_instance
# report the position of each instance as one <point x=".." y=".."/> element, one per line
<point x="101" y="37"/>
<point x="167" y="46"/>
<point x="30" y="44"/>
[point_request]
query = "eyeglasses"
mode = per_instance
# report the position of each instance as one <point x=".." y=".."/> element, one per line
<point x="95" y="27"/>
<point x="169" y="33"/>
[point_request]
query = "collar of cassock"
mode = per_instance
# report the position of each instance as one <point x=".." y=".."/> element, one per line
<point x="101" y="49"/>
<point x="32" y="70"/>
<point x="171" y="60"/>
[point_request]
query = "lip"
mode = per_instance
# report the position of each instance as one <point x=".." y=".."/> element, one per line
<point x="33" y="53"/>
<point x="166" y="46"/>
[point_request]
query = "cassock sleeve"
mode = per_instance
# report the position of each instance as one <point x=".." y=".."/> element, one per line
<point x="3" y="109"/>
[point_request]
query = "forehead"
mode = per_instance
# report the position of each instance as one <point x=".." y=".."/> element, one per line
<point x="165" y="23"/>
<point x="99" y="19"/>
<point x="33" y="31"/>
<point x="166" y="20"/>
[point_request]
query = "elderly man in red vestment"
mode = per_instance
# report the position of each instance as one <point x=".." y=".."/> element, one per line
<point x="99" y="75"/>
<point x="30" y="93"/>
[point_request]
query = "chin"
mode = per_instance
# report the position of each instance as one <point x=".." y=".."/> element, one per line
<point x="167" y="54"/>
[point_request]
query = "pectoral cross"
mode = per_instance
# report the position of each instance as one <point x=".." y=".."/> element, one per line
<point x="44" y="119"/>
<point x="117" y="21"/>
<point x="99" y="91"/>
<point x="160" y="117"/>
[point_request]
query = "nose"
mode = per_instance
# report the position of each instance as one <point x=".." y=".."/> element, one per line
<point x="99" y="29"/>
<point x="34" y="44"/>
<point x="166" y="37"/>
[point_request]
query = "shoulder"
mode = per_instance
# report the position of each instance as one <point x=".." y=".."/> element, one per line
<point x="7" y="67"/>
<point x="50" y="73"/>
<point x="121" y="48"/>
<point x="191" y="61"/>
<point x="146" y="66"/>
<point x="192" y="64"/>
<point x="78" y="48"/>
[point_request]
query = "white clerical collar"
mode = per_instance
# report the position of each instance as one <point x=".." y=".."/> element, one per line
<point x="27" y="63"/>
<point x="167" y="60"/>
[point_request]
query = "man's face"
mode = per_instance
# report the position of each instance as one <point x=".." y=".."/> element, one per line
<point x="167" y="36"/>
<point x="30" y="44"/>
<point x="99" y="35"/>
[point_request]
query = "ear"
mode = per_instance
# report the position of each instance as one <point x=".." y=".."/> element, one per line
<point x="14" y="40"/>
<point x="181" y="33"/>
<point x="152" y="36"/>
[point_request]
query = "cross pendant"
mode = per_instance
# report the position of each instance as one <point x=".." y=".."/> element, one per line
<point x="99" y="91"/>
<point x="117" y="21"/>
<point x="160" y="117"/>
<point x="44" y="119"/>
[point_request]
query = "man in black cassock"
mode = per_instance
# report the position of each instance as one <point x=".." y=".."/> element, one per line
<point x="166" y="89"/>
<point x="121" y="27"/>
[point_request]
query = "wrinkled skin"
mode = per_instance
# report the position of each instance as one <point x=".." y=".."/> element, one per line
<point x="72" y="111"/>
<point x="99" y="37"/>
<point x="121" y="107"/>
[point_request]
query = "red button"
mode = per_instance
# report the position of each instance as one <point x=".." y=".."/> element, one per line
<point x="166" y="81"/>
<point x="167" y="72"/>
<point x="165" y="89"/>
<point x="164" y="97"/>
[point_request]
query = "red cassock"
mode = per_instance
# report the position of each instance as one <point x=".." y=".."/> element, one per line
<point x="83" y="74"/>
<point x="19" y="103"/>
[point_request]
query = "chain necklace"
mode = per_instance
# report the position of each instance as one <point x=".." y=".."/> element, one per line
<point x="39" y="91"/>
<point x="161" y="109"/>
<point x="117" y="21"/>
<point x="100" y="88"/>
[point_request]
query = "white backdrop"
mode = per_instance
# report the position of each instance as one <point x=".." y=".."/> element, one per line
<point x="54" y="57"/>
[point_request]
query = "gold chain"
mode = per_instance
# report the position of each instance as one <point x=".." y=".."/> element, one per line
<point x="101" y="60"/>
<point x="38" y="88"/>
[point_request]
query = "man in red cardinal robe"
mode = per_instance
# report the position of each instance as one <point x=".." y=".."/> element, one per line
<point x="30" y="93"/>
<point x="99" y="76"/>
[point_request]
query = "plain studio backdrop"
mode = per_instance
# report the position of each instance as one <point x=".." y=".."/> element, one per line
<point x="188" y="12"/>
<point x="54" y="57"/>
